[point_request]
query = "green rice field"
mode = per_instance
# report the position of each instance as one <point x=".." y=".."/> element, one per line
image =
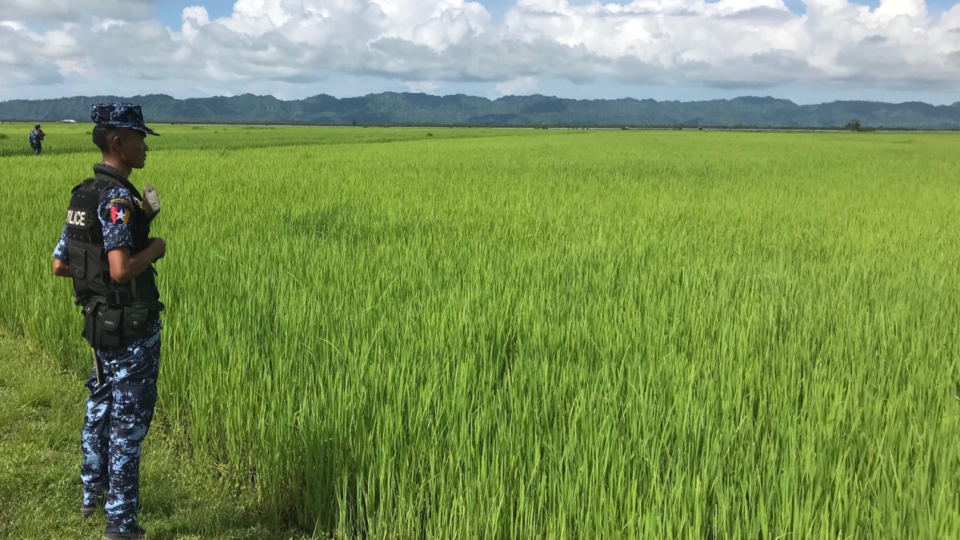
<point x="515" y="334"/>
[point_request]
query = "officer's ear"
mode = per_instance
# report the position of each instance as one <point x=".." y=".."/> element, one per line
<point x="116" y="140"/>
<point x="105" y="138"/>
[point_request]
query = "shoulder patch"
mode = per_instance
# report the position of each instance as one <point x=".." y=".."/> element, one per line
<point x="116" y="206"/>
<point x="119" y="214"/>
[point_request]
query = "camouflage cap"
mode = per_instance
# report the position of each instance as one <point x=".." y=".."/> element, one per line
<point x="120" y="115"/>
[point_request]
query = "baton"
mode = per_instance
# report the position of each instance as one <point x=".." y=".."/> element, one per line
<point x="96" y="366"/>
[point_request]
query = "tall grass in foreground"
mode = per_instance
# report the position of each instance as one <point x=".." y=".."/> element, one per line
<point x="590" y="335"/>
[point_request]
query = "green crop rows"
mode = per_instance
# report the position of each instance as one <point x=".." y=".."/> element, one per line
<point x="522" y="334"/>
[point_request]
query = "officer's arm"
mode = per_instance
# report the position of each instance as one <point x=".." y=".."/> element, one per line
<point x="60" y="268"/>
<point x="124" y="267"/>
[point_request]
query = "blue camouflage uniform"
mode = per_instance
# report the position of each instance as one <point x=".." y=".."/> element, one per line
<point x="120" y="409"/>
<point x="36" y="141"/>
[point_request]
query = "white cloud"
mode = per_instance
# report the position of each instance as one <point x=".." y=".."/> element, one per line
<point x="728" y="43"/>
<point x="13" y="25"/>
<point x="29" y="58"/>
<point x="71" y="10"/>
<point x="517" y="87"/>
<point x="424" y="87"/>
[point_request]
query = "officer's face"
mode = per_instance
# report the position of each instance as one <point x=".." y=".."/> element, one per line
<point x="131" y="147"/>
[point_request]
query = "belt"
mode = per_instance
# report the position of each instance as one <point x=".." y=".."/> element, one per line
<point x="115" y="299"/>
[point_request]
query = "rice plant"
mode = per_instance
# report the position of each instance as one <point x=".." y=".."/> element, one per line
<point x="527" y="334"/>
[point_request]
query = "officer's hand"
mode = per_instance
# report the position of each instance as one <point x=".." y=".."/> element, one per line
<point x="159" y="245"/>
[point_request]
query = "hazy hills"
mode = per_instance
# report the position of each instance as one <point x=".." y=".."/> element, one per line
<point x="390" y="107"/>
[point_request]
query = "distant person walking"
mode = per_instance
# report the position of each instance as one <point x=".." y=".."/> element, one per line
<point x="106" y="248"/>
<point x="36" y="139"/>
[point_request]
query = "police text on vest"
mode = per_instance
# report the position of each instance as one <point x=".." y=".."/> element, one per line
<point x="75" y="218"/>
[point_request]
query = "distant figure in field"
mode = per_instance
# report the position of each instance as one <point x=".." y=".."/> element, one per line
<point x="106" y="248"/>
<point x="36" y="139"/>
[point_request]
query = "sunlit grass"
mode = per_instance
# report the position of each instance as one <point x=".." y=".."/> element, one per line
<point x="592" y="335"/>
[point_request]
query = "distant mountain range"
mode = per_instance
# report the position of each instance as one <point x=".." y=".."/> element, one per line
<point x="407" y="108"/>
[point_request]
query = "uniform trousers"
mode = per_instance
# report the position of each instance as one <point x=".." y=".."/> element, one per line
<point x="119" y="412"/>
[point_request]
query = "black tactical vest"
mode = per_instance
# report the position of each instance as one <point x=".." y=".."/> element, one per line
<point x="113" y="312"/>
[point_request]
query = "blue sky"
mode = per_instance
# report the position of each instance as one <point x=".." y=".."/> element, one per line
<point x="739" y="47"/>
<point x="169" y="11"/>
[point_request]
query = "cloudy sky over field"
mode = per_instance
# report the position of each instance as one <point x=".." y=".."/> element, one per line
<point x="808" y="51"/>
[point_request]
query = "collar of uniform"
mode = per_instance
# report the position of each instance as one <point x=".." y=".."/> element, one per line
<point x="106" y="170"/>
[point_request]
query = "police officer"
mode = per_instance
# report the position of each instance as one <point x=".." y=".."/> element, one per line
<point x="106" y="248"/>
<point x="36" y="139"/>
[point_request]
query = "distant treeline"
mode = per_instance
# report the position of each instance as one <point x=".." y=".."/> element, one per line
<point x="421" y="110"/>
<point x="625" y="127"/>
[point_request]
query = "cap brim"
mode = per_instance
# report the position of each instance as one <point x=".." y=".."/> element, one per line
<point x="147" y="130"/>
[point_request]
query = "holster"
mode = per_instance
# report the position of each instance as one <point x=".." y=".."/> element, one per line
<point x="90" y="322"/>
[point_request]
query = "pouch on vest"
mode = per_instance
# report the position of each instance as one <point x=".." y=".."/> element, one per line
<point x="135" y="322"/>
<point x="109" y="332"/>
<point x="78" y="262"/>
